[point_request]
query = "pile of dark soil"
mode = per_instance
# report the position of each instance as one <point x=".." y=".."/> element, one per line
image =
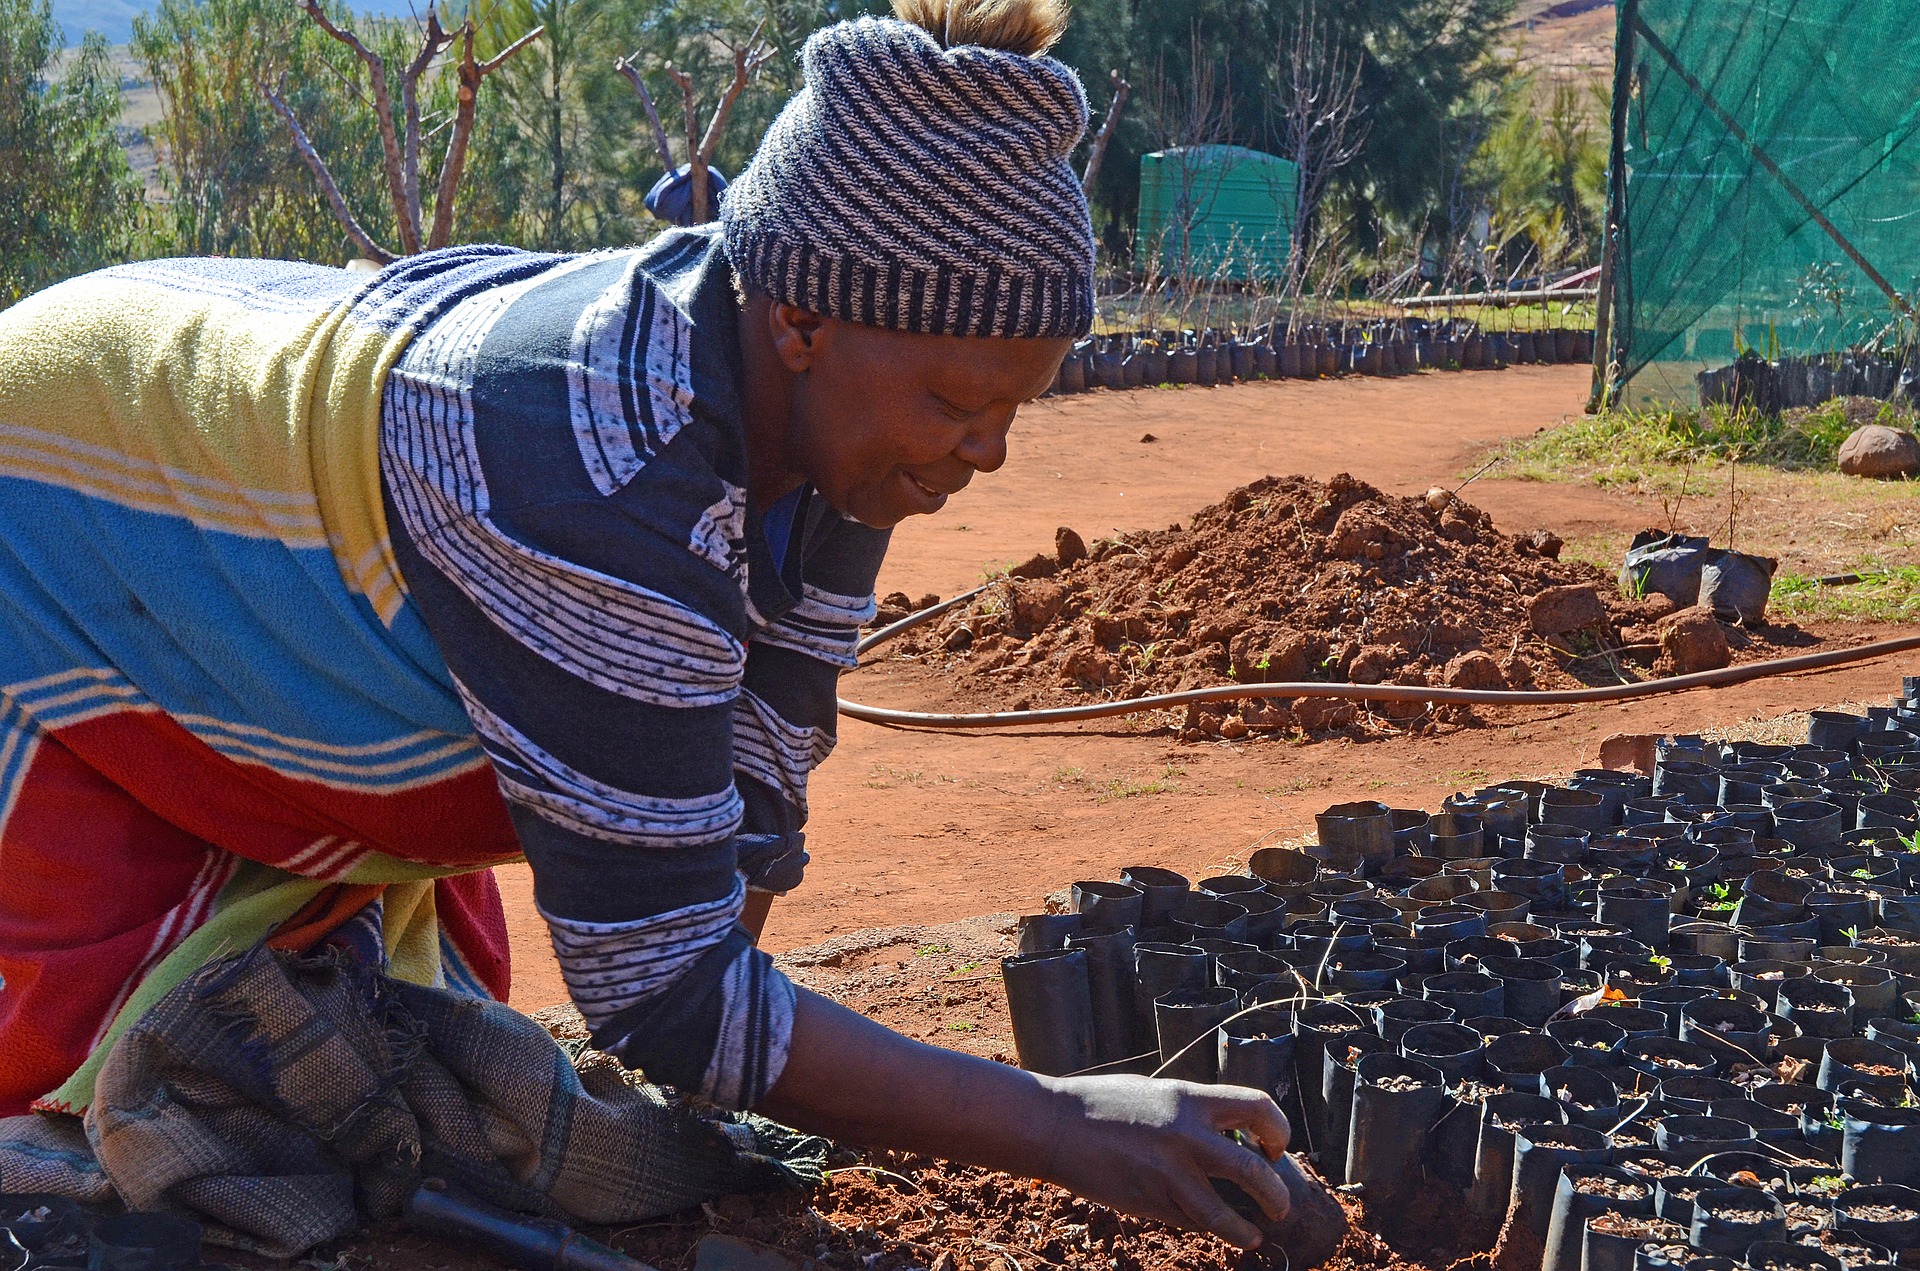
<point x="1285" y="580"/>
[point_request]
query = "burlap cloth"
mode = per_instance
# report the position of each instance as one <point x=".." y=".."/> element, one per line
<point x="283" y="1101"/>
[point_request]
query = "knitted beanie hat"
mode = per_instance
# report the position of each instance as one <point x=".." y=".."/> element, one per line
<point x="922" y="188"/>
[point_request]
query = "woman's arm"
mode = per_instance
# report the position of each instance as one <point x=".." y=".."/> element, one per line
<point x="1144" y="1146"/>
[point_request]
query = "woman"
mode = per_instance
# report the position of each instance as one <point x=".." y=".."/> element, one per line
<point x="323" y="598"/>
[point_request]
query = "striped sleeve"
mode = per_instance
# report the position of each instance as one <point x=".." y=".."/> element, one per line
<point x="565" y="476"/>
<point x="784" y="720"/>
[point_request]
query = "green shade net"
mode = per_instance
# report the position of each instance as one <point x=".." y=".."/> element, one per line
<point x="1748" y="122"/>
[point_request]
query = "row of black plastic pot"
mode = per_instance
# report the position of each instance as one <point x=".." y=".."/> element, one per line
<point x="1633" y="943"/>
<point x="1789" y="382"/>
<point x="1411" y="1099"/>
<point x="1128" y="361"/>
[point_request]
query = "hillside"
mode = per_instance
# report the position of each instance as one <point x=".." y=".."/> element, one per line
<point x="1566" y="38"/>
<point x="114" y="18"/>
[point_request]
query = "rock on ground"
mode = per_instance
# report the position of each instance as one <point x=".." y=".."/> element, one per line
<point x="1879" y="451"/>
<point x="1476" y="670"/>
<point x="1563" y="610"/>
<point x="1692" y="640"/>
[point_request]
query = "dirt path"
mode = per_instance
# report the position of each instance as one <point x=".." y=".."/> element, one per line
<point x="921" y="827"/>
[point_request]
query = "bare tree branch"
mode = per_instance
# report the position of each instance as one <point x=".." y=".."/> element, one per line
<point x="685" y="81"/>
<point x="383" y="114"/>
<point x="1098" y="154"/>
<point x="1321" y="122"/>
<point x="499" y="59"/>
<point x="1186" y="121"/>
<point x="344" y="214"/>
<point x="471" y="73"/>
<point x="747" y="61"/>
<point x="433" y="41"/>
<point x="627" y="68"/>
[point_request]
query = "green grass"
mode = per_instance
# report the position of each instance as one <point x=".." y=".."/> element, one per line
<point x="1623" y="445"/>
<point x="1883" y="595"/>
<point x="1791" y="502"/>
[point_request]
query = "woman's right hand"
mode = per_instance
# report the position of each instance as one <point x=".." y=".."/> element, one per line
<point x="1148" y="1147"/>
<point x="1151" y="1147"/>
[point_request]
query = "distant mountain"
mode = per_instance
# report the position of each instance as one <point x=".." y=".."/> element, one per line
<point x="114" y="18"/>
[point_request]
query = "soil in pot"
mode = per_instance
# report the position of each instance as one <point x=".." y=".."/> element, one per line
<point x="1880" y="1145"/>
<point x="1884" y="1213"/>
<point x="1315" y="1027"/>
<point x="1337" y="1079"/>
<point x="1518" y="1059"/>
<point x="1700" y="1135"/>
<point x="1582" y="1193"/>
<point x="1673" y="1196"/>
<point x="1819" y="1007"/>
<point x="1729" y="1220"/>
<point x="1396" y="1104"/>
<point x="1502" y="1118"/>
<point x="1664" y="1057"/>
<point x="1185" y="1021"/>
<point x="1612" y="1238"/>
<point x="1453" y="1050"/>
<point x="1873" y="1065"/>
<point x="1779" y="1255"/>
<point x="1540" y="1152"/>
<point x="1588" y="1096"/>
<point x="1256" y="1051"/>
<point x="1591" y="1042"/>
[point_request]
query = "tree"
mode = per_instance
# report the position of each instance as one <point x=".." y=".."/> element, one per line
<point x="1103" y="137"/>
<point x="1318" y="119"/>
<point x="234" y="187"/>
<point x="400" y="142"/>
<point x="68" y="200"/>
<point x="1543" y="168"/>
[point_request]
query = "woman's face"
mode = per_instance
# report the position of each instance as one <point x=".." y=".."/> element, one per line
<point x="888" y="425"/>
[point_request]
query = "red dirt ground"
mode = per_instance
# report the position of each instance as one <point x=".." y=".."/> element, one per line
<point x="913" y="830"/>
<point x="921" y="826"/>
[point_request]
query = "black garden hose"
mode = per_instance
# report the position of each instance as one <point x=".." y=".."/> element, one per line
<point x="1348" y="692"/>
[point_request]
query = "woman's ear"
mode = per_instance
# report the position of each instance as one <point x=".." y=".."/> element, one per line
<point x="799" y="337"/>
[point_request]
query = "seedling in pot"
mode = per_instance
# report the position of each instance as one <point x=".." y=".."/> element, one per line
<point x="1828" y="1185"/>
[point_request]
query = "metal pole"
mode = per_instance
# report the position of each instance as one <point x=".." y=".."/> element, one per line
<point x="1615" y="228"/>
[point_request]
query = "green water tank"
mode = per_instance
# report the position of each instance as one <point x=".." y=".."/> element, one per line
<point x="1222" y="212"/>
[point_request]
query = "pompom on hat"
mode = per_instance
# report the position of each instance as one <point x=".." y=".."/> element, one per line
<point x="921" y="180"/>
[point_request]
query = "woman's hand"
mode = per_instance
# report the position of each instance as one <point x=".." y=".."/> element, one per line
<point x="1150" y="1148"/>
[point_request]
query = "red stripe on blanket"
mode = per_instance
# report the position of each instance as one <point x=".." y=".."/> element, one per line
<point x="117" y="841"/>
<point x="267" y="816"/>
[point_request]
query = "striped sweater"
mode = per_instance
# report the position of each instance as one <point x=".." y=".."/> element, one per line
<point x="566" y="485"/>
